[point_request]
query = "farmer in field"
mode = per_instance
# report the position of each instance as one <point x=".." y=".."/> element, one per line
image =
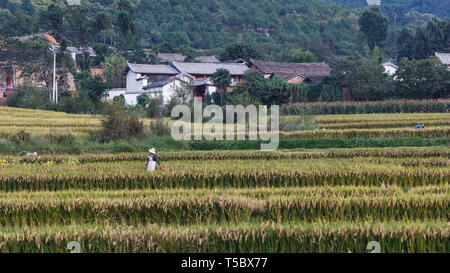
<point x="152" y="160"/>
<point x="420" y="126"/>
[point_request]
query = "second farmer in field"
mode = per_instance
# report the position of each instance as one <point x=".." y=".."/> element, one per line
<point x="152" y="160"/>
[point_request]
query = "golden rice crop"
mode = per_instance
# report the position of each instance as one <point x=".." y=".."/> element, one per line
<point x="226" y="179"/>
<point x="351" y="133"/>
<point x="247" y="155"/>
<point x="41" y="209"/>
<point x="268" y="237"/>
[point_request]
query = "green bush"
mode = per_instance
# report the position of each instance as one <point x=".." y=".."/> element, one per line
<point x="21" y="137"/>
<point x="28" y="96"/>
<point x="119" y="123"/>
<point x="65" y="139"/>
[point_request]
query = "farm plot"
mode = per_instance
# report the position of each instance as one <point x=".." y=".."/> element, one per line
<point x="315" y="201"/>
<point x="39" y="122"/>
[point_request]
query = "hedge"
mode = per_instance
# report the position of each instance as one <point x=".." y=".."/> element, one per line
<point x="372" y="107"/>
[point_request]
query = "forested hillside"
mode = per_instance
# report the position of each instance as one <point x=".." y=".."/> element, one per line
<point x="323" y="28"/>
<point x="440" y="8"/>
<point x="276" y="29"/>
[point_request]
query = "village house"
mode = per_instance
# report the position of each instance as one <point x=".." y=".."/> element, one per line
<point x="78" y="52"/>
<point x="167" y="88"/>
<point x="10" y="75"/>
<point x="140" y="75"/>
<point x="297" y="73"/>
<point x="163" y="80"/>
<point x="203" y="71"/>
<point x="444" y="58"/>
<point x="7" y="78"/>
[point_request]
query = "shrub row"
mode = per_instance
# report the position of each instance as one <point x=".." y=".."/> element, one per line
<point x="349" y="133"/>
<point x="407" y="106"/>
<point x="321" y="143"/>
<point x="407" y="124"/>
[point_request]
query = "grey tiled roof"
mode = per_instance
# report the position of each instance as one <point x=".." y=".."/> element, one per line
<point x="443" y="57"/>
<point x="151" y="69"/>
<point x="313" y="71"/>
<point x="210" y="68"/>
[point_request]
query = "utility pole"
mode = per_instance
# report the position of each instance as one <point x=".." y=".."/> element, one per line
<point x="54" y="75"/>
<point x="53" y="49"/>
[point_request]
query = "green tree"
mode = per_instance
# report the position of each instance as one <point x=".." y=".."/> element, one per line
<point x="113" y="71"/>
<point x="423" y="79"/>
<point x="435" y="37"/>
<point x="101" y="51"/>
<point x="94" y="86"/>
<point x="374" y="26"/>
<point x="269" y="92"/>
<point x="240" y="51"/>
<point x="404" y="42"/>
<point x="302" y="56"/>
<point x="364" y="78"/>
<point x="28" y="7"/>
<point x="189" y="53"/>
<point x="221" y="80"/>
<point x="84" y="28"/>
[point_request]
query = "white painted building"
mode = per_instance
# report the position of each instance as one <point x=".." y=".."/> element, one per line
<point x="389" y="68"/>
<point x="140" y="75"/>
<point x="74" y="52"/>
<point x="444" y="58"/>
<point x="164" y="80"/>
<point x="168" y="87"/>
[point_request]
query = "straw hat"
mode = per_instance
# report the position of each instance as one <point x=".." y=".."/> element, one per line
<point x="152" y="151"/>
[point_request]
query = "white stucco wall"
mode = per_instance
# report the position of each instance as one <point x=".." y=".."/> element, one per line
<point x="132" y="84"/>
<point x="168" y="91"/>
<point x="131" y="99"/>
<point x="110" y="94"/>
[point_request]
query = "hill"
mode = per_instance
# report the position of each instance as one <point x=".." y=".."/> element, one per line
<point x="276" y="27"/>
<point x="437" y="7"/>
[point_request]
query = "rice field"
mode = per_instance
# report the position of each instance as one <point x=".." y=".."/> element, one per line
<point x="316" y="201"/>
<point x="310" y="200"/>
<point x="40" y="122"/>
